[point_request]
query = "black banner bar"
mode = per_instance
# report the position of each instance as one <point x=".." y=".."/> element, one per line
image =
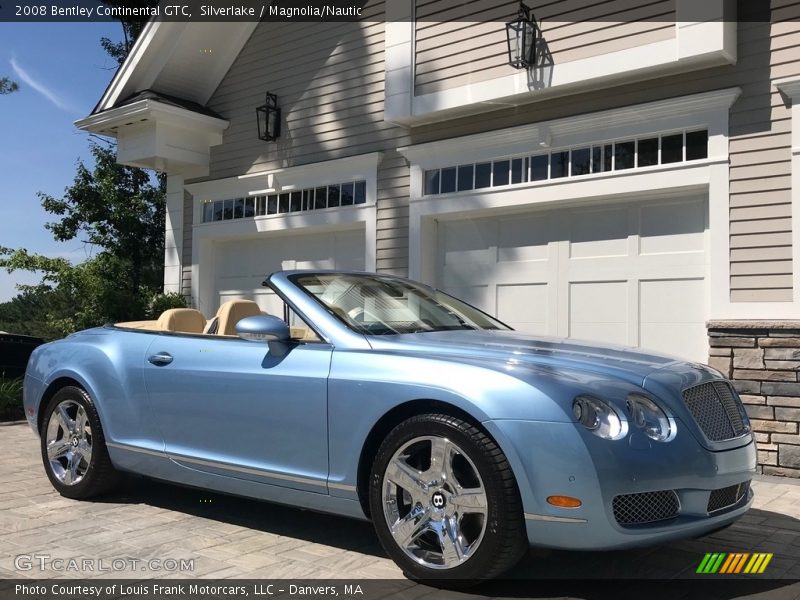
<point x="374" y="589"/>
<point x="620" y="11"/>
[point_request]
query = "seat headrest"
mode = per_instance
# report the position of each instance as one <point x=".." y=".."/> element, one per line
<point x="184" y="320"/>
<point x="233" y="311"/>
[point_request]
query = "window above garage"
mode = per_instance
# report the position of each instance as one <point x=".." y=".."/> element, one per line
<point x="317" y="198"/>
<point x="603" y="157"/>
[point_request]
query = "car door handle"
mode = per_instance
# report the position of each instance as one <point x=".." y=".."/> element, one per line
<point x="160" y="359"/>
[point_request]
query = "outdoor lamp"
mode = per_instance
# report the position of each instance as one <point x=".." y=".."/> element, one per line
<point x="522" y="37"/>
<point x="268" y="117"/>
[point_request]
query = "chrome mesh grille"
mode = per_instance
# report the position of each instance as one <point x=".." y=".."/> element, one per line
<point x="727" y="496"/>
<point x="731" y="405"/>
<point x="645" y="507"/>
<point x="716" y="410"/>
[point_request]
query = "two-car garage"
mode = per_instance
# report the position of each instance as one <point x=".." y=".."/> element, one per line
<point x="632" y="273"/>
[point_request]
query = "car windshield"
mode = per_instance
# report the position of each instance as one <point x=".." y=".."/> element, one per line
<point x="376" y="305"/>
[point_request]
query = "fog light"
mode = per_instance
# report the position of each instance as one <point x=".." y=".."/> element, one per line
<point x="564" y="501"/>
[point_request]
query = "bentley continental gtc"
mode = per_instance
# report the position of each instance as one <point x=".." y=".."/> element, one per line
<point x="374" y="397"/>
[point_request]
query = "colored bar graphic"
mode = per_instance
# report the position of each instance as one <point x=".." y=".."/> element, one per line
<point x="757" y="558"/>
<point x="735" y="562"/>
<point x="737" y="568"/>
<point x="717" y="563"/>
<point x="767" y="558"/>
<point x="704" y="563"/>
<point x="730" y="561"/>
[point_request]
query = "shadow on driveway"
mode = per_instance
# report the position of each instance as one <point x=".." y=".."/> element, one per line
<point x="665" y="571"/>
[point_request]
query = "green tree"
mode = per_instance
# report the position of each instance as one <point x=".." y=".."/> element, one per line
<point x="7" y="86"/>
<point x="121" y="210"/>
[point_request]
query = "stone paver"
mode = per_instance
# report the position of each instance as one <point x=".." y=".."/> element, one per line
<point x="228" y="537"/>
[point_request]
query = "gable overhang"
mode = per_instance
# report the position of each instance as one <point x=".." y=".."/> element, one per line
<point x="178" y="59"/>
<point x="154" y="135"/>
<point x="185" y="61"/>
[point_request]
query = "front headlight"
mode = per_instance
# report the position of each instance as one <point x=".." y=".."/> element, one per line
<point x="648" y="416"/>
<point x="598" y="417"/>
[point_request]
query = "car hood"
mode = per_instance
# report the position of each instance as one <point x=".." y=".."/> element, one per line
<point x="630" y="364"/>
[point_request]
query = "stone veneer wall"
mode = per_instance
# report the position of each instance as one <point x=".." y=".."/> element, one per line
<point x="762" y="358"/>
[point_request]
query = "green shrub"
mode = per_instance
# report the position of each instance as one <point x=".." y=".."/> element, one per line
<point x="11" y="400"/>
<point x="161" y="302"/>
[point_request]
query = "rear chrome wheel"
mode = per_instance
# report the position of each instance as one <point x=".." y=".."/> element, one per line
<point x="73" y="447"/>
<point x="434" y="502"/>
<point x="445" y="503"/>
<point x="69" y="442"/>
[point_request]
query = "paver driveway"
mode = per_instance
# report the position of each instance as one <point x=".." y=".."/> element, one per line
<point x="236" y="538"/>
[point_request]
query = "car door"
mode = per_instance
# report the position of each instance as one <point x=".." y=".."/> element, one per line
<point x="243" y="409"/>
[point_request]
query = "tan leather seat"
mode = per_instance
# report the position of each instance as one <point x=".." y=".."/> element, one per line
<point x="304" y="334"/>
<point x="183" y="320"/>
<point x="229" y="314"/>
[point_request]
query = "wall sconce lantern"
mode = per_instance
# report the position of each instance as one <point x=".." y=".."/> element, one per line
<point x="522" y="36"/>
<point x="268" y="117"/>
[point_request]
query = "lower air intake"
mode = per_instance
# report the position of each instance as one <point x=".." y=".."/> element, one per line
<point x="645" y="507"/>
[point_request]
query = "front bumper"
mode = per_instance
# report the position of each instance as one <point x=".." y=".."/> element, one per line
<point x="562" y="459"/>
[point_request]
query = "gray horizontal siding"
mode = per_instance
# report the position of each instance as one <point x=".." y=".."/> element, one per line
<point x="331" y="95"/>
<point x="461" y="43"/>
<point x="186" y="249"/>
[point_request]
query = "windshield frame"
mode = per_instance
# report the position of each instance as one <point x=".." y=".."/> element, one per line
<point x="296" y="277"/>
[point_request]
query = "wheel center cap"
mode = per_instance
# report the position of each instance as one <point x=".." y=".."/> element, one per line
<point x="438" y="500"/>
<point x="75" y="442"/>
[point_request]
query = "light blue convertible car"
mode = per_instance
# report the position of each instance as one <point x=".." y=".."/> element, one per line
<point x="376" y="397"/>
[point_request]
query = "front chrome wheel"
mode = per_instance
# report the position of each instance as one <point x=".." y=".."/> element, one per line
<point x="434" y="502"/>
<point x="68" y="442"/>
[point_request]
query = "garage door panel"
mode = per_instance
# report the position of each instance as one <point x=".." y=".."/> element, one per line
<point x="241" y="265"/>
<point x="666" y="266"/>
<point x="672" y="316"/>
<point x="684" y="340"/>
<point x="476" y="295"/>
<point x="634" y="272"/>
<point x="525" y="238"/>
<point x="524" y="307"/>
<point x="599" y="311"/>
<point x="673" y="227"/>
<point x="509" y="273"/>
<point x="470" y="243"/>
<point x="672" y="301"/>
<point x="599" y="233"/>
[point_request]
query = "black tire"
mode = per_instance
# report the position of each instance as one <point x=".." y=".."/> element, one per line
<point x="100" y="476"/>
<point x="504" y="540"/>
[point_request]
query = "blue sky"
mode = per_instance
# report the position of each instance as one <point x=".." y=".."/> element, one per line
<point x="62" y="71"/>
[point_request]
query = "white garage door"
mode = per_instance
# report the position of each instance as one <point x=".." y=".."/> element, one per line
<point x="632" y="273"/>
<point x="242" y="265"/>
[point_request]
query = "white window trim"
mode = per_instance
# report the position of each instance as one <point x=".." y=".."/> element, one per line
<point x="711" y="175"/>
<point x="695" y="45"/>
<point x="205" y="236"/>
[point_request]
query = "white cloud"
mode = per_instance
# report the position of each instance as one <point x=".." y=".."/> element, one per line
<point x="26" y="78"/>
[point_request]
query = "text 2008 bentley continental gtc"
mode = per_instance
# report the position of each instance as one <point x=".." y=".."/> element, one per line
<point x="375" y="397"/>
